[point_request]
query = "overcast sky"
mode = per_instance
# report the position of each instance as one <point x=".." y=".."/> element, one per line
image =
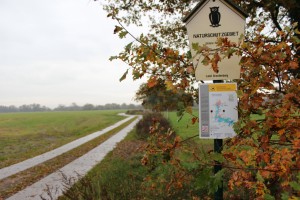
<point x="56" y="52"/>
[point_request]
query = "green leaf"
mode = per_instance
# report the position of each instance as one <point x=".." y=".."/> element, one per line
<point x="206" y="60"/>
<point x="295" y="185"/>
<point x="230" y="52"/>
<point x="136" y="74"/>
<point x="259" y="177"/>
<point x="285" y="196"/>
<point x="203" y="178"/>
<point x="189" y="55"/>
<point x="241" y="38"/>
<point x="240" y="93"/>
<point x="195" y="46"/>
<point x="287" y="28"/>
<point x="216" y="181"/>
<point x="128" y="47"/>
<point x="298" y="176"/>
<point x="124" y="76"/>
<point x="123" y="34"/>
<point x="269" y="197"/>
<point x="217" y="157"/>
<point x="113" y="58"/>
<point x="295" y="39"/>
<point x="180" y="114"/>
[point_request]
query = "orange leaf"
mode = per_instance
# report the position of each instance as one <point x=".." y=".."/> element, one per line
<point x="194" y="120"/>
<point x="266" y="157"/>
<point x="245" y="156"/>
<point x="296" y="144"/>
<point x="214" y="63"/>
<point x="169" y="85"/>
<point x="293" y="65"/>
<point x="152" y="82"/>
<point x="281" y="131"/>
<point x="230" y="156"/>
<point x="265" y="173"/>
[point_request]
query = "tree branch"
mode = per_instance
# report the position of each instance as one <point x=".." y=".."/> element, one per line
<point x="274" y="16"/>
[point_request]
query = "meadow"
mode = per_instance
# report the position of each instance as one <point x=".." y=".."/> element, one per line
<point x="186" y="129"/>
<point x="183" y="126"/>
<point x="25" y="135"/>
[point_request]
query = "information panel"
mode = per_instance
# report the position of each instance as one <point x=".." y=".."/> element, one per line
<point x="217" y="110"/>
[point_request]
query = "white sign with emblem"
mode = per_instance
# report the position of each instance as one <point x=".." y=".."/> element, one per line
<point x="209" y="20"/>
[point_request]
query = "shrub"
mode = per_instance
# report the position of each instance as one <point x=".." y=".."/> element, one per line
<point x="134" y="112"/>
<point x="149" y="119"/>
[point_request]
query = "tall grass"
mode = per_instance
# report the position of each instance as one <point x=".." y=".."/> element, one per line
<point x="118" y="176"/>
<point x="25" y="135"/>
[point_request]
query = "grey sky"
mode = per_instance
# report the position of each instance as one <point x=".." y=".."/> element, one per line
<point x="56" y="52"/>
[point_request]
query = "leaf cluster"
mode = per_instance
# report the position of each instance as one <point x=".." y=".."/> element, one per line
<point x="174" y="169"/>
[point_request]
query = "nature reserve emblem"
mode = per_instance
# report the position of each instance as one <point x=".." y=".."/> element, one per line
<point x="214" y="16"/>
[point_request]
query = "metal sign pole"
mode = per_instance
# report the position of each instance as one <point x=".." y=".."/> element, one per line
<point x="218" y="143"/>
<point x="218" y="146"/>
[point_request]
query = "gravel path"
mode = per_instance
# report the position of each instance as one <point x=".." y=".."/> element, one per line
<point x="80" y="166"/>
<point x="26" y="164"/>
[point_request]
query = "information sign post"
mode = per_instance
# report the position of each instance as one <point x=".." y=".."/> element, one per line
<point x="208" y="21"/>
<point x="217" y="113"/>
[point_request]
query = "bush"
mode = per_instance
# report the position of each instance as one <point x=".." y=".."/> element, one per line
<point x="135" y="112"/>
<point x="149" y="119"/>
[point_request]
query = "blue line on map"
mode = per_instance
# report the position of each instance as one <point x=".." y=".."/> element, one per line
<point x="218" y="116"/>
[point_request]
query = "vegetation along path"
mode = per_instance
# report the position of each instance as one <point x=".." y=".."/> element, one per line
<point x="53" y="184"/>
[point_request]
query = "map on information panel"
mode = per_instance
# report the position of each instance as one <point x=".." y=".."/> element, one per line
<point x="218" y="110"/>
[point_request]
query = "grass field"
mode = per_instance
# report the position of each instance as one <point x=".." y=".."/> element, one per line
<point x="25" y="135"/>
<point x="185" y="129"/>
<point x="184" y="126"/>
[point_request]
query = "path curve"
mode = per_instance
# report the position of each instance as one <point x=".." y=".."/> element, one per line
<point x="54" y="182"/>
<point x="26" y="164"/>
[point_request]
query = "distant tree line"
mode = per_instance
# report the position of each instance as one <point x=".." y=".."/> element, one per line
<point x="24" y="108"/>
<point x="73" y="107"/>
